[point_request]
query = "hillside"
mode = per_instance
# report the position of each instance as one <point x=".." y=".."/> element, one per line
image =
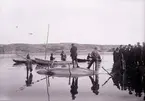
<point x="55" y="48"/>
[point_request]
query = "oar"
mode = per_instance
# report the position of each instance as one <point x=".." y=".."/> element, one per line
<point x="103" y="73"/>
<point x="107" y="71"/>
<point x="108" y="74"/>
<point x="23" y="87"/>
<point x="106" y="81"/>
<point x="23" y="57"/>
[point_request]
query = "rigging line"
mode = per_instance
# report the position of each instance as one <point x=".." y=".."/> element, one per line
<point x="21" y="56"/>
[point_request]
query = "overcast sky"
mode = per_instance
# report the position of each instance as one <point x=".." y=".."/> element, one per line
<point x="77" y="21"/>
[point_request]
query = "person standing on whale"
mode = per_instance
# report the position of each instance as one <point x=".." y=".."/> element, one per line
<point x="73" y="54"/>
<point x="95" y="57"/>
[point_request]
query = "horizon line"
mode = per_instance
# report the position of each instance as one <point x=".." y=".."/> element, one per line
<point x="62" y="43"/>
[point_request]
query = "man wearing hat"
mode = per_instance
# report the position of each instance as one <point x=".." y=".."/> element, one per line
<point x="95" y="57"/>
<point x="73" y="54"/>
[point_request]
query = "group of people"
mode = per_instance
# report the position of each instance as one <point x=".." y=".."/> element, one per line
<point x="129" y="68"/>
<point x="63" y="56"/>
<point x="73" y="55"/>
<point x="93" y="57"/>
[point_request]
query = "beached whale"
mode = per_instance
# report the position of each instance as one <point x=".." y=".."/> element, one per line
<point x="67" y="72"/>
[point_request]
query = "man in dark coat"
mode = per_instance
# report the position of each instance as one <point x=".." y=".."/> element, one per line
<point x="73" y="54"/>
<point x="138" y="52"/>
<point x="143" y="53"/>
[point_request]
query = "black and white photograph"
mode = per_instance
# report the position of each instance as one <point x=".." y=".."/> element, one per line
<point x="72" y="50"/>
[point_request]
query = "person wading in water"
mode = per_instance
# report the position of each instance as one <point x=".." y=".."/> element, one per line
<point x="29" y="69"/>
<point x="28" y="63"/>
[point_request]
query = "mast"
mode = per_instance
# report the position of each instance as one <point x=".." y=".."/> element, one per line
<point x="46" y="43"/>
<point x="47" y="77"/>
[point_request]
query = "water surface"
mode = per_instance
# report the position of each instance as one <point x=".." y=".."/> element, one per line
<point x="14" y="77"/>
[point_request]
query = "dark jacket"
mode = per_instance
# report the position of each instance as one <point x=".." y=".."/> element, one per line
<point x="73" y="51"/>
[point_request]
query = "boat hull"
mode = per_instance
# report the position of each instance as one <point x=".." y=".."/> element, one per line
<point x="47" y="62"/>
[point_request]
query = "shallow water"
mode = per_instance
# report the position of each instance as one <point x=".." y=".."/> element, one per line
<point x="14" y="77"/>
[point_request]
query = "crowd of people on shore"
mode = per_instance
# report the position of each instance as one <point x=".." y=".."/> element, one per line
<point x="129" y="68"/>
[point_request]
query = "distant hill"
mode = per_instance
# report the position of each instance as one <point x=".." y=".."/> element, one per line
<point x="55" y="48"/>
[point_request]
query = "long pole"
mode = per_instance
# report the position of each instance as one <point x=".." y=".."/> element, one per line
<point x="47" y="78"/>
<point x="46" y="43"/>
<point x="47" y="84"/>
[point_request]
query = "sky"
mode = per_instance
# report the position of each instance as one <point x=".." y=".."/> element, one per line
<point x="75" y="21"/>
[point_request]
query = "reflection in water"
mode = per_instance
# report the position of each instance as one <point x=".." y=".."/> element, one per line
<point x="74" y="88"/>
<point x="95" y="79"/>
<point x="29" y="75"/>
<point x="29" y="79"/>
<point x="95" y="84"/>
<point x="47" y="85"/>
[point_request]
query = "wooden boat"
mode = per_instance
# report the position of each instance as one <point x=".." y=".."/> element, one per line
<point x="22" y="61"/>
<point x="19" y="61"/>
<point x="82" y="60"/>
<point x="85" y="60"/>
<point x="47" y="62"/>
<point x="67" y="72"/>
<point x="42" y="61"/>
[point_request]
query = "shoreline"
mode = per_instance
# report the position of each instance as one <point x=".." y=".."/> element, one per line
<point x="48" y="54"/>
